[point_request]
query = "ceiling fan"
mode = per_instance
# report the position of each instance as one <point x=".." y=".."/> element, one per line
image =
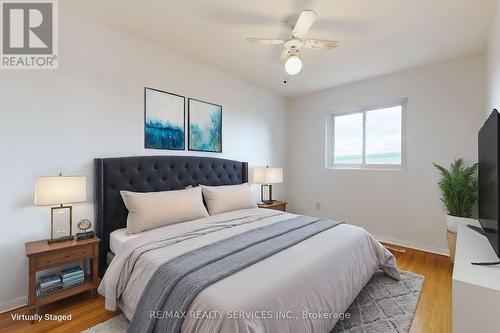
<point x="291" y="54"/>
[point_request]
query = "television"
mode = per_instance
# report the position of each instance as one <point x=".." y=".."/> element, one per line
<point x="488" y="177"/>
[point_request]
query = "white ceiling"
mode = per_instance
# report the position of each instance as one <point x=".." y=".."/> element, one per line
<point x="377" y="37"/>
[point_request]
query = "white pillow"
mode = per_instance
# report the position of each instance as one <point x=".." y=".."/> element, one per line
<point x="156" y="209"/>
<point x="220" y="199"/>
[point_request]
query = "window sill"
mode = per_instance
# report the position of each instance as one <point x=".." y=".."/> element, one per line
<point x="361" y="168"/>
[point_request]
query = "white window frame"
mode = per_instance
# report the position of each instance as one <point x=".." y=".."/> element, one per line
<point x="330" y="138"/>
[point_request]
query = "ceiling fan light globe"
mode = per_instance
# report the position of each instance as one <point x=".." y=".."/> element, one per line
<point x="293" y="65"/>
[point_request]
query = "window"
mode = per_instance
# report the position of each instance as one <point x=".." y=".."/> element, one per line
<point x="367" y="138"/>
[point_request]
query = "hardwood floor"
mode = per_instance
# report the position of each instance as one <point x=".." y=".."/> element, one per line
<point x="434" y="305"/>
<point x="85" y="312"/>
<point x="433" y="311"/>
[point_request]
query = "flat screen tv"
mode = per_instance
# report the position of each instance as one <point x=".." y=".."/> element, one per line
<point x="488" y="177"/>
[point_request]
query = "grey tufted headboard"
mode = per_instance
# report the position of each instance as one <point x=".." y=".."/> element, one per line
<point x="151" y="174"/>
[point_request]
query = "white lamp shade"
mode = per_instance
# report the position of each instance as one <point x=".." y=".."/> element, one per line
<point x="60" y="190"/>
<point x="268" y="175"/>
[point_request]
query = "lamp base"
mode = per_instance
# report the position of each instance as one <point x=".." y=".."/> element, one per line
<point x="59" y="240"/>
<point x="61" y="220"/>
<point x="268" y="202"/>
<point x="270" y="196"/>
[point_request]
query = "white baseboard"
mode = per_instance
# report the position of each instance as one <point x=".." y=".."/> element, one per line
<point x="13" y="304"/>
<point x="421" y="247"/>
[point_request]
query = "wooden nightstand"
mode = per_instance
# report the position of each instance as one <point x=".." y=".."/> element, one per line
<point x="277" y="205"/>
<point x="42" y="256"/>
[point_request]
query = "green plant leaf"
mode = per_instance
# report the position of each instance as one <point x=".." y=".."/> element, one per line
<point x="458" y="186"/>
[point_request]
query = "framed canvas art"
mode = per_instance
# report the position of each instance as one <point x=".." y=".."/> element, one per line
<point x="204" y="126"/>
<point x="164" y="120"/>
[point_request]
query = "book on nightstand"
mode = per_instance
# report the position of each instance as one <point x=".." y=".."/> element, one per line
<point x="85" y="235"/>
<point x="72" y="276"/>
<point x="49" y="284"/>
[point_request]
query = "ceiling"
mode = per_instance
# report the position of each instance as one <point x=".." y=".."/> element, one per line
<point x="376" y="37"/>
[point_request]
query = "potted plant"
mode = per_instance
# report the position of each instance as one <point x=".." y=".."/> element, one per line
<point x="458" y="186"/>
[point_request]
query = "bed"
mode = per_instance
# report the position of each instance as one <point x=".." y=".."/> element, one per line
<point x="302" y="287"/>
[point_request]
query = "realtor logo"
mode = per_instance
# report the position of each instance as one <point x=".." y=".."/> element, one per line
<point x="29" y="34"/>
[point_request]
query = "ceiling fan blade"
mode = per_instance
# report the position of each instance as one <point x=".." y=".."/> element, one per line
<point x="265" y="41"/>
<point x="304" y="23"/>
<point x="320" y="44"/>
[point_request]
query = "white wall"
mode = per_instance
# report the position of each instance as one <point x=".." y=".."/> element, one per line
<point x="494" y="63"/>
<point x="92" y="106"/>
<point x="445" y="111"/>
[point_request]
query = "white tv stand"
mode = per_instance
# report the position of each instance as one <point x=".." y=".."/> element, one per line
<point x="476" y="289"/>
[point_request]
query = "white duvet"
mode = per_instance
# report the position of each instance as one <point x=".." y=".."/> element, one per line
<point x="304" y="288"/>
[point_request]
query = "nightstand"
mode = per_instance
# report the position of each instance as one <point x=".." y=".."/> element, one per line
<point x="43" y="255"/>
<point x="277" y="205"/>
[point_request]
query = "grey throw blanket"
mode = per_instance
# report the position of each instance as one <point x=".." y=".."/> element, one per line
<point x="176" y="283"/>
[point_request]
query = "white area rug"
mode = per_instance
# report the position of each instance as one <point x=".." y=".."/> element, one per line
<point x="383" y="306"/>
<point x="118" y="324"/>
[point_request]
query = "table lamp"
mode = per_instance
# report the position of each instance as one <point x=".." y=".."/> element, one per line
<point x="266" y="177"/>
<point x="60" y="190"/>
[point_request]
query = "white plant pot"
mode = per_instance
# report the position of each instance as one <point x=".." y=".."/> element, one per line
<point x="452" y="222"/>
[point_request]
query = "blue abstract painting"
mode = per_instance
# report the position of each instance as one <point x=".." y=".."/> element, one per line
<point x="205" y="126"/>
<point x="164" y="120"/>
